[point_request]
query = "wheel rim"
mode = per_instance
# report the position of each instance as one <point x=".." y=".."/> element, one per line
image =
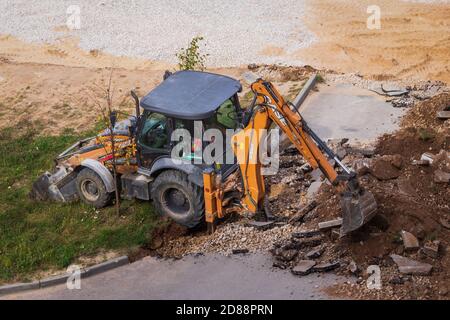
<point x="176" y="201"/>
<point x="90" y="190"/>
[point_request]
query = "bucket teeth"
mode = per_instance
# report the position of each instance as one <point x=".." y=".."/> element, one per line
<point x="357" y="210"/>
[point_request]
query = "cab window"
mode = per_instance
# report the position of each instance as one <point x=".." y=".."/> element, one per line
<point x="154" y="133"/>
<point x="225" y="117"/>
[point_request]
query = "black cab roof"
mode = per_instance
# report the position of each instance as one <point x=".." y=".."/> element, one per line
<point x="191" y="95"/>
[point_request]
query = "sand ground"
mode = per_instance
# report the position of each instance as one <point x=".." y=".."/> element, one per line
<point x="52" y="83"/>
<point x="413" y="42"/>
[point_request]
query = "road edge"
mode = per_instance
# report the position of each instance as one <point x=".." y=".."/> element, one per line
<point x="62" y="278"/>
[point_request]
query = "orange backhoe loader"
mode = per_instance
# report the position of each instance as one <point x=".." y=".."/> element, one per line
<point x="191" y="192"/>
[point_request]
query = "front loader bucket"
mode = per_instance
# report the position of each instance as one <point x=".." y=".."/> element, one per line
<point x="60" y="185"/>
<point x="357" y="210"/>
<point x="40" y="188"/>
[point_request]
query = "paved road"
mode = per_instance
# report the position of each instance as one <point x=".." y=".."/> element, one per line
<point x="202" y="277"/>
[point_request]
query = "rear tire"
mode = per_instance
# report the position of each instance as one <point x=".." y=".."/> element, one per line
<point x="176" y="197"/>
<point x="91" y="189"/>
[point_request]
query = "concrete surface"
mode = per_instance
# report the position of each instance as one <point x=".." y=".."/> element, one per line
<point x="202" y="277"/>
<point x="345" y="111"/>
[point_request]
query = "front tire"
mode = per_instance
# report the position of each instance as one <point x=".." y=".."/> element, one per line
<point x="178" y="198"/>
<point x="91" y="189"/>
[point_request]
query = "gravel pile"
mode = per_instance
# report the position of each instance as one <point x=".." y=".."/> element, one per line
<point x="229" y="237"/>
<point x="235" y="31"/>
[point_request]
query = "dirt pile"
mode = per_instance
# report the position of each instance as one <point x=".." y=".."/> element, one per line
<point x="411" y="201"/>
<point x="424" y="114"/>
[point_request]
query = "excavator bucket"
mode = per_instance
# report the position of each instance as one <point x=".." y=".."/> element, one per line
<point x="357" y="210"/>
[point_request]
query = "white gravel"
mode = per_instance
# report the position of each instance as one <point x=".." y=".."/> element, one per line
<point x="236" y="31"/>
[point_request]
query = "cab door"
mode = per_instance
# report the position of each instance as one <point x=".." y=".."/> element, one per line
<point x="153" y="140"/>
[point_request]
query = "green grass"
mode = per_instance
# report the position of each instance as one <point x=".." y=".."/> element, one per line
<point x="43" y="235"/>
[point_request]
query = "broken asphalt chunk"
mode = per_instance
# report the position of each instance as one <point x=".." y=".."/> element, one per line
<point x="421" y="162"/>
<point x="303" y="267"/>
<point x="366" y="152"/>
<point x="287" y="255"/>
<point x="313" y="189"/>
<point x="396" y="280"/>
<point x="410" y="242"/>
<point x="239" y="251"/>
<point x="443" y="115"/>
<point x="279" y="264"/>
<point x="431" y="249"/>
<point x="303" y="211"/>
<point x="341" y="152"/>
<point x="409" y="266"/>
<point x="362" y="166"/>
<point x="304" y="243"/>
<point x="330" y="224"/>
<point x="262" y="225"/>
<point x="314" y="253"/>
<point x="306" y="234"/>
<point x="326" y="266"/>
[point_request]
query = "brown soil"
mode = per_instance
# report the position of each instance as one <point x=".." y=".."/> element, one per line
<point x="424" y="114"/>
<point x="57" y="91"/>
<point x="61" y="97"/>
<point x="413" y="42"/>
<point x="65" y="52"/>
<point x="413" y="202"/>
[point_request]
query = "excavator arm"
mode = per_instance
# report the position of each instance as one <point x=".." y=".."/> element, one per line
<point x="358" y="205"/>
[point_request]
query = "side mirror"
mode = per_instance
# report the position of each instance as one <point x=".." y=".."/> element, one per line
<point x="136" y="101"/>
<point x="167" y="74"/>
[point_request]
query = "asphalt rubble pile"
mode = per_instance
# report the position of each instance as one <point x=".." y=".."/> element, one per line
<point x="407" y="171"/>
<point x="400" y="93"/>
<point x="409" y="174"/>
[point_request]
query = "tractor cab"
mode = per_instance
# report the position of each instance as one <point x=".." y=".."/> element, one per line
<point x="196" y="102"/>
<point x="187" y="100"/>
